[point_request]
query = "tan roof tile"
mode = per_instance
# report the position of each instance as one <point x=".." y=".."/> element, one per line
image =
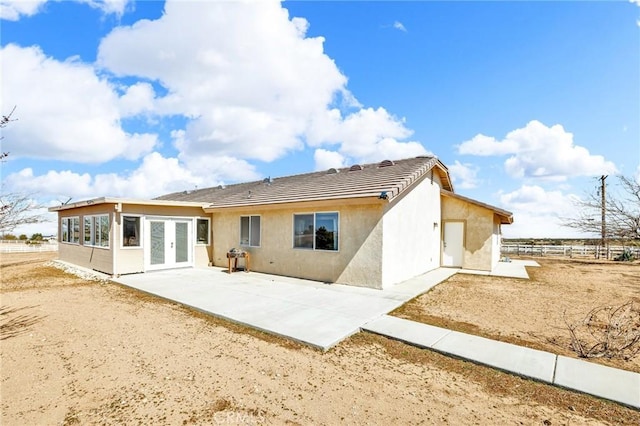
<point x="373" y="179"/>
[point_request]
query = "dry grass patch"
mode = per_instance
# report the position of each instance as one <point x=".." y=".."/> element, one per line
<point x="532" y="313"/>
<point x="15" y="321"/>
<point x="504" y="384"/>
<point x="23" y="271"/>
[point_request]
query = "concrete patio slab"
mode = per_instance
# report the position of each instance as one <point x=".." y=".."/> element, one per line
<point x="599" y="380"/>
<point x="311" y="312"/>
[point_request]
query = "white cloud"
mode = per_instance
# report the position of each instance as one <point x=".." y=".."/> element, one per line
<point x="538" y="151"/>
<point x="536" y="198"/>
<point x="254" y="86"/>
<point x="49" y="226"/>
<point x="482" y="145"/>
<point x="116" y="7"/>
<point x="137" y="99"/>
<point x="13" y="10"/>
<point x="64" y="111"/>
<point x="156" y="175"/>
<point x="325" y="160"/>
<point x="399" y="26"/>
<point x="367" y="135"/>
<point x="538" y="213"/>
<point x="249" y="81"/>
<point x="243" y="71"/>
<point x="464" y="176"/>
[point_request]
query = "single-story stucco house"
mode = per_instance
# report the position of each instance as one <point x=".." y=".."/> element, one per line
<point x="372" y="225"/>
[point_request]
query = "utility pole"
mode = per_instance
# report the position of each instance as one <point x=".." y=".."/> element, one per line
<point x="603" y="206"/>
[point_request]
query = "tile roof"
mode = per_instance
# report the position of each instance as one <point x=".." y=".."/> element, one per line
<point x="368" y="180"/>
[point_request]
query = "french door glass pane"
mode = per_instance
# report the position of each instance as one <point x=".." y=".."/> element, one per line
<point x="157" y="243"/>
<point x="182" y="242"/>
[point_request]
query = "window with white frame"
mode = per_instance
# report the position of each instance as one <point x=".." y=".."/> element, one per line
<point x="250" y="231"/>
<point x="202" y="231"/>
<point x="131" y="231"/>
<point x="70" y="230"/>
<point x="316" y="231"/>
<point x="96" y="230"/>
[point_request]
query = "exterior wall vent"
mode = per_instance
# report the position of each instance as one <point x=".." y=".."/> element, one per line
<point x="386" y="163"/>
<point x="332" y="171"/>
<point x="355" y="167"/>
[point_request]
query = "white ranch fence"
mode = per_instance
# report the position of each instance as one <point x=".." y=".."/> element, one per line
<point x="609" y="252"/>
<point x="13" y="246"/>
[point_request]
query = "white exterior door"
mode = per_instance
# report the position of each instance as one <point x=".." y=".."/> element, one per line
<point x="453" y="242"/>
<point x="168" y="243"/>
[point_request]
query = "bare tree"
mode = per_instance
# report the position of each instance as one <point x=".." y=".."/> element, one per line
<point x="4" y="120"/>
<point x="17" y="210"/>
<point x="621" y="212"/>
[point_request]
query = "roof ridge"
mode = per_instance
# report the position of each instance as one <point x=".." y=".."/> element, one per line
<point x="368" y="181"/>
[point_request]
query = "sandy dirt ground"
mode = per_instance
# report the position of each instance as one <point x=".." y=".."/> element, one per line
<point x="80" y="352"/>
<point x="531" y="312"/>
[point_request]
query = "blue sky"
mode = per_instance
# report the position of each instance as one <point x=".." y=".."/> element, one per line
<point x="525" y="102"/>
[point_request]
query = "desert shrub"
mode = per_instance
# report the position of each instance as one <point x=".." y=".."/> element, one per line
<point x="625" y="256"/>
<point x="607" y="331"/>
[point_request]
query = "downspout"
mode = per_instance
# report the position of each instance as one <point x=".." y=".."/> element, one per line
<point x="114" y="247"/>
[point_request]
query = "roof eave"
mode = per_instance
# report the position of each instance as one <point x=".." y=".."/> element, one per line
<point x="114" y="200"/>
<point x="359" y="199"/>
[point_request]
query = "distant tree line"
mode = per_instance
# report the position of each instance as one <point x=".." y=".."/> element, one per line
<point x="37" y="237"/>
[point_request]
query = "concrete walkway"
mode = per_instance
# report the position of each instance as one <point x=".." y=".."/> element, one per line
<point x="510" y="269"/>
<point x="320" y="315"/>
<point x="605" y="382"/>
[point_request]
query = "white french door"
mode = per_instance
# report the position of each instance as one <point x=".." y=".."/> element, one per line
<point x="168" y="243"/>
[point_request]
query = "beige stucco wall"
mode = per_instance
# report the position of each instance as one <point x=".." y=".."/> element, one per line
<point x="479" y="230"/>
<point x="411" y="244"/>
<point x="357" y="261"/>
